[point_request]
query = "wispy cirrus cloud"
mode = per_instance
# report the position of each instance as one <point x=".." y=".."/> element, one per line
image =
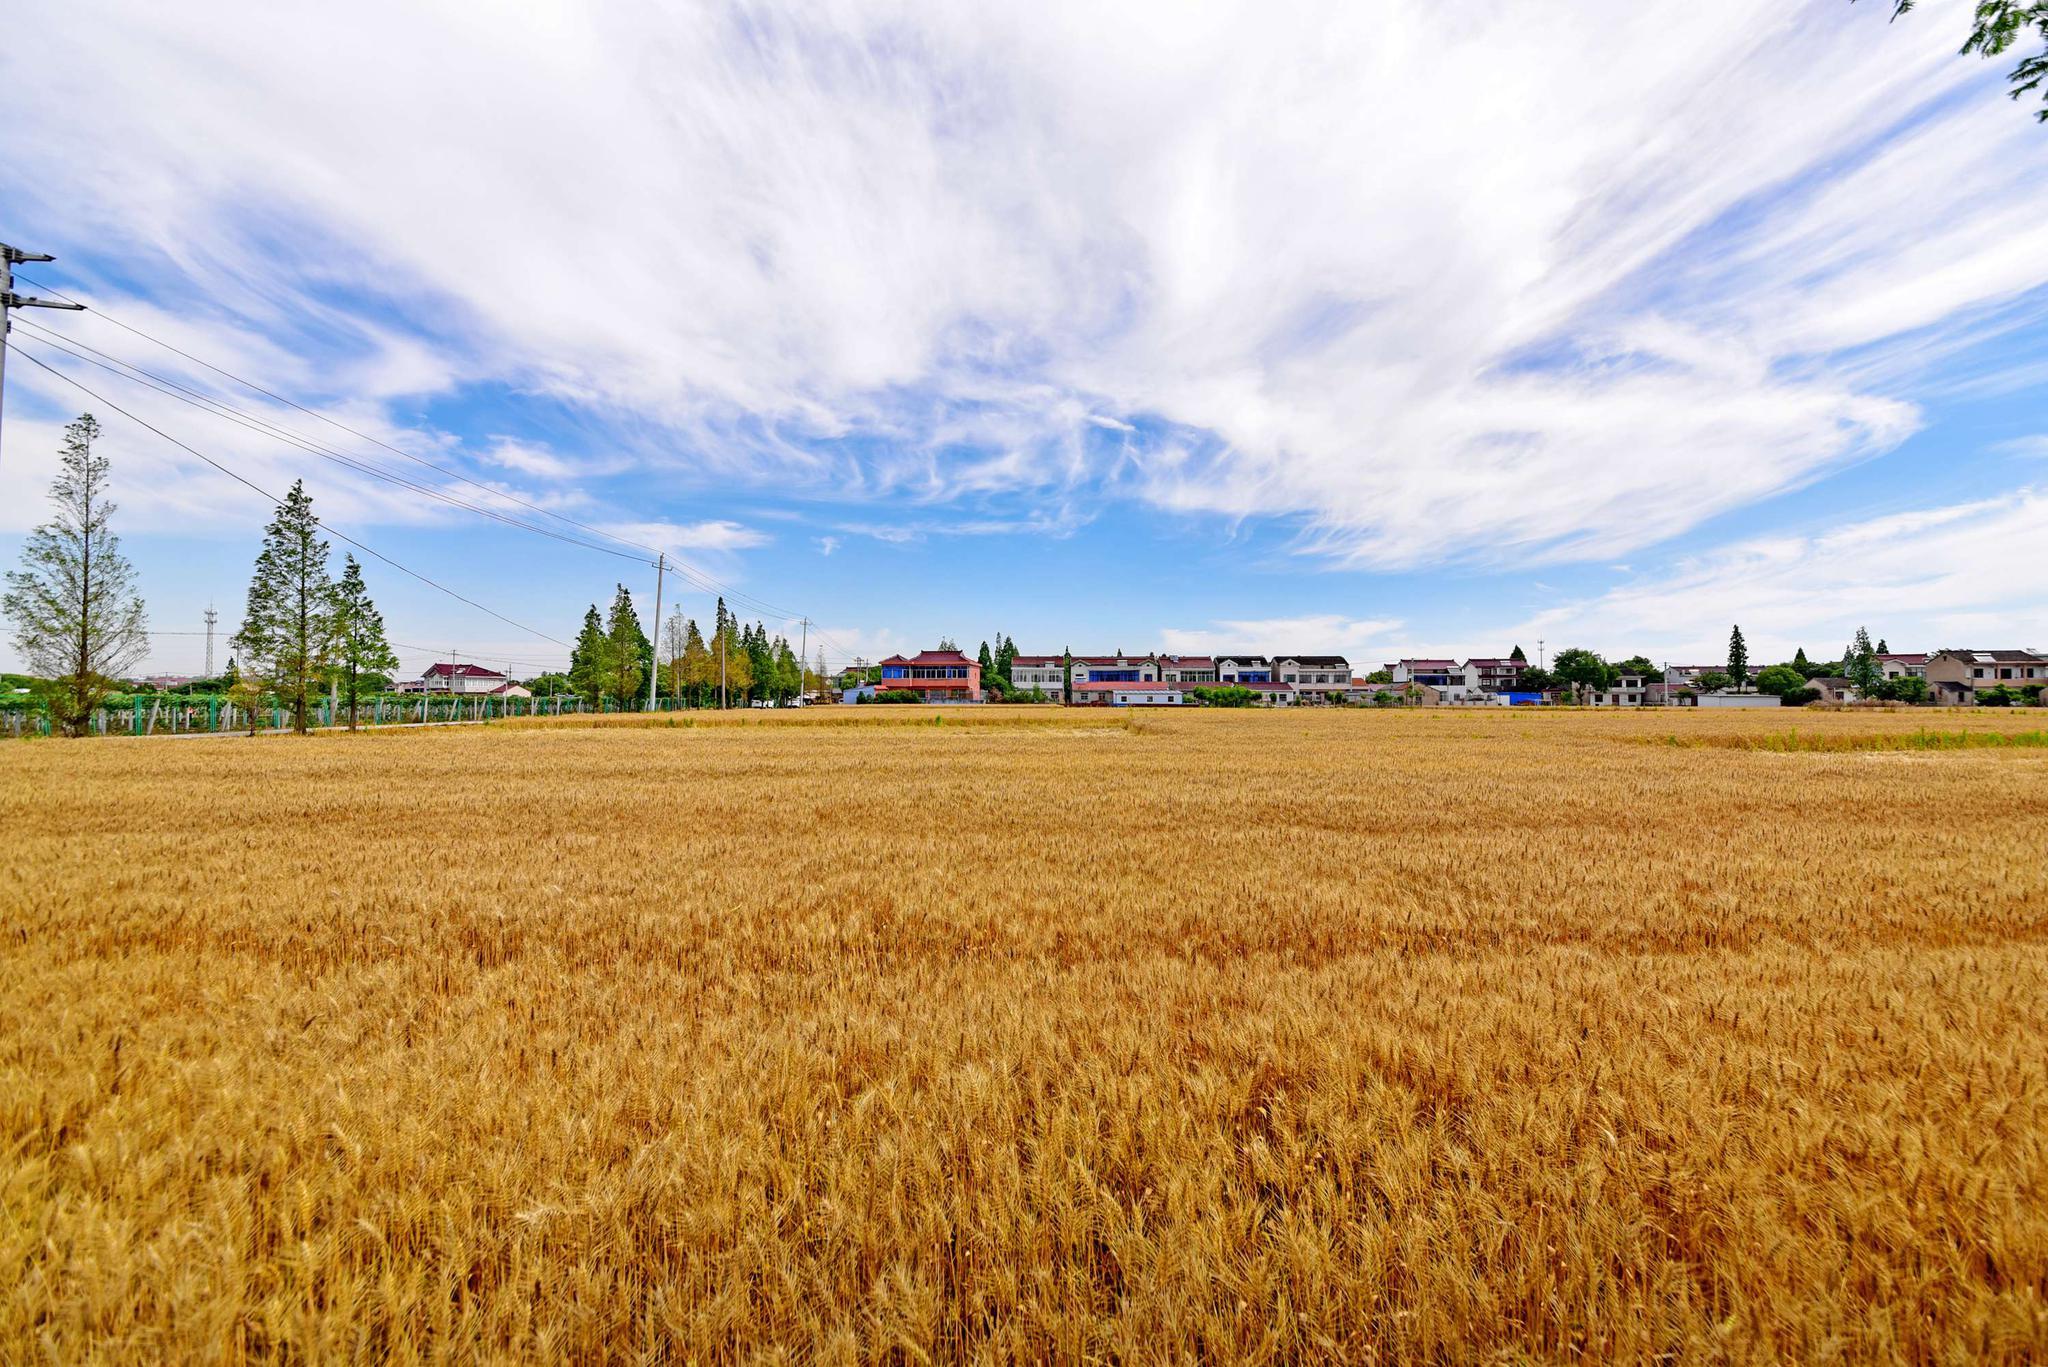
<point x="1431" y="286"/>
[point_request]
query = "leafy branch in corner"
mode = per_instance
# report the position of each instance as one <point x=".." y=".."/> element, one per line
<point x="1997" y="26"/>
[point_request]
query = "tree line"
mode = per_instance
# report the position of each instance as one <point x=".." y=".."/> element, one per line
<point x="738" y="666"/>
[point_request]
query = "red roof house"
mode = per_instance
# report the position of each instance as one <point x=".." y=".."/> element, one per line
<point x="934" y="675"/>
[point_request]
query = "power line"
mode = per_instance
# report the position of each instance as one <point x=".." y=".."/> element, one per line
<point x="10" y="257"/>
<point x="701" y="580"/>
<point x="205" y="403"/>
<point x="274" y="499"/>
<point x="342" y="426"/>
<point x="705" y="582"/>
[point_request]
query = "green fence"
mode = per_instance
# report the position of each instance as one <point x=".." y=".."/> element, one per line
<point x="166" y="714"/>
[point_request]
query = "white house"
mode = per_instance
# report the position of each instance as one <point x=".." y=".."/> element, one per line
<point x="1312" y="673"/>
<point x="1737" y="700"/>
<point x="1131" y="694"/>
<point x="459" y="678"/>
<point x="1046" y="672"/>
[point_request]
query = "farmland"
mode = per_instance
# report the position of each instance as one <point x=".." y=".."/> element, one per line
<point x="1368" y="1036"/>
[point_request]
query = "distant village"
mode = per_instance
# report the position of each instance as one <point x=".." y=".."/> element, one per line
<point x="1864" y="673"/>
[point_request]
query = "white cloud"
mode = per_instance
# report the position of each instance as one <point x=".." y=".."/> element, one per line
<point x="827" y="545"/>
<point x="715" y="535"/>
<point x="1956" y="575"/>
<point x="2034" y="447"/>
<point x="1440" y="284"/>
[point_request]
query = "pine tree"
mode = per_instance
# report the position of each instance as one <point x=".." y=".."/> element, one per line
<point x="1882" y="648"/>
<point x="1516" y="654"/>
<point x="986" y="660"/>
<point x="1861" y="666"/>
<point x="627" y="646"/>
<point x="1801" y="663"/>
<point x="1738" y="658"/>
<point x="288" y="627"/>
<point x="590" y="660"/>
<point x="722" y="647"/>
<point x="77" y="620"/>
<point x="789" y="674"/>
<point x="359" y="644"/>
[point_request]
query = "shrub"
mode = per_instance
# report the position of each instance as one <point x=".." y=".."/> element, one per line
<point x="1231" y="695"/>
<point x="1779" y="679"/>
<point x="1798" y="697"/>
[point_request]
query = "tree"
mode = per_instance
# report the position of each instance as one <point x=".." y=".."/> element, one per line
<point x="1998" y="25"/>
<point x="674" y="638"/>
<point x="1517" y="655"/>
<point x="1801" y="663"/>
<point x="947" y="643"/>
<point x="1882" y="648"/>
<point x="700" y="671"/>
<point x="245" y="695"/>
<point x="628" y="646"/>
<point x="1860" y="665"/>
<point x="739" y="673"/>
<point x="789" y="671"/>
<point x="1906" y="688"/>
<point x="987" y="661"/>
<point x="77" y="620"/>
<point x="1582" y="669"/>
<point x="1738" y="657"/>
<point x="1779" y="679"/>
<point x="721" y="648"/>
<point x="288" y="626"/>
<point x="1713" y="681"/>
<point x="1638" y="664"/>
<point x="590" y="660"/>
<point x="359" y="645"/>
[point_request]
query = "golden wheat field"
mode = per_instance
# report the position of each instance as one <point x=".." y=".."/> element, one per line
<point x="994" y="1035"/>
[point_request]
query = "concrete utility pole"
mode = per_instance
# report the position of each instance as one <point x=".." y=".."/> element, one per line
<point x="10" y="257"/>
<point x="723" y="701"/>
<point x="211" y="618"/>
<point x="660" y="566"/>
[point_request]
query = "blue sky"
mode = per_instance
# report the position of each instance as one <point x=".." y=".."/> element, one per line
<point x="1382" y="329"/>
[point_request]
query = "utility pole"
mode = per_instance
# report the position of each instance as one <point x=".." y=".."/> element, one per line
<point x="10" y="257"/>
<point x="660" y="566"/>
<point x="211" y="618"/>
<point x="802" y="651"/>
<point x="1539" y="652"/>
<point x="723" y="702"/>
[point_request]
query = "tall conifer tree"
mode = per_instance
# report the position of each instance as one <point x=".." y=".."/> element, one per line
<point x="359" y="644"/>
<point x="288" y="626"/>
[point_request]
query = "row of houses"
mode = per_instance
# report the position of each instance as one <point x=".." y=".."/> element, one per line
<point x="1154" y="679"/>
<point x="1124" y="679"/>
